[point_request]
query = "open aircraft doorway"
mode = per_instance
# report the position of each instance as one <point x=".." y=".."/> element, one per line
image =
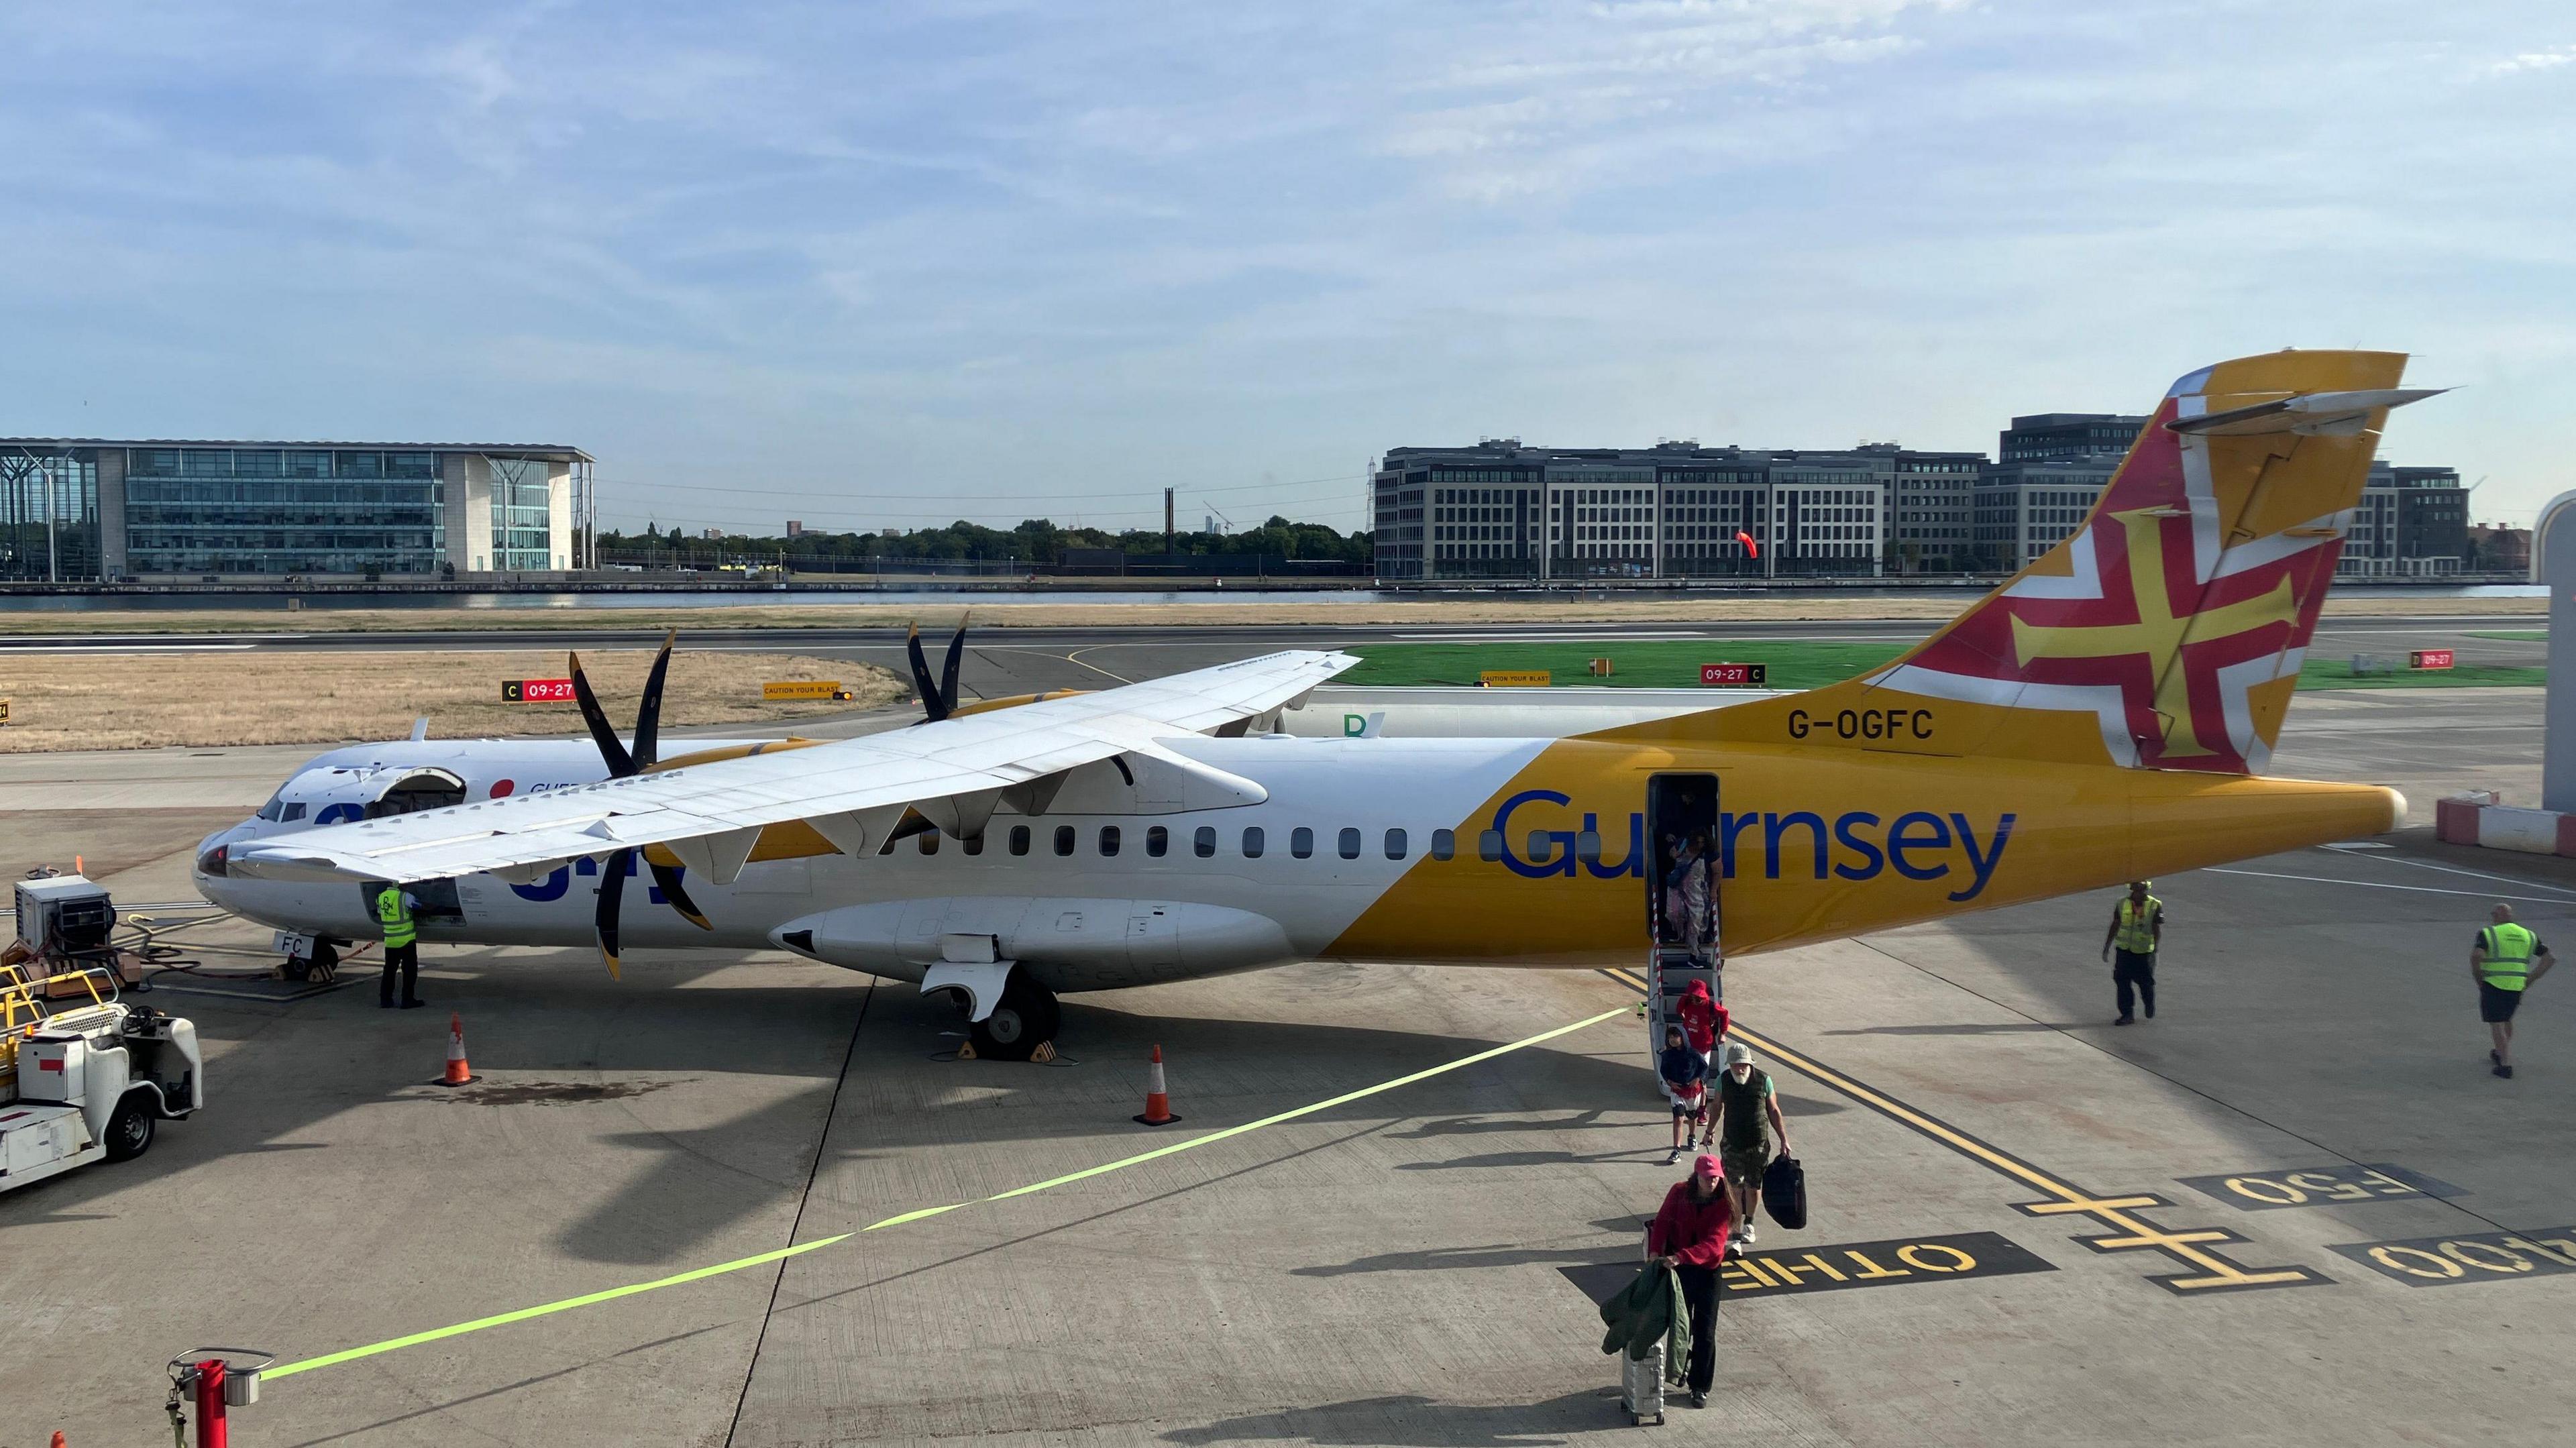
<point x="1681" y="893"/>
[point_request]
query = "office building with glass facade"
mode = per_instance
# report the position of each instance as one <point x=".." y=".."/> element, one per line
<point x="73" y="510"/>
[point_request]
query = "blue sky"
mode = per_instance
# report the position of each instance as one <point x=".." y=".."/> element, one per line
<point x="898" y="263"/>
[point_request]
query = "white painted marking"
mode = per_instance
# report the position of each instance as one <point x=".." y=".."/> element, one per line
<point x="2472" y="874"/>
<point x="2375" y="885"/>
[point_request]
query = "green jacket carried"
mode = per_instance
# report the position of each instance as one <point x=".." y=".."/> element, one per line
<point x="1644" y="1311"/>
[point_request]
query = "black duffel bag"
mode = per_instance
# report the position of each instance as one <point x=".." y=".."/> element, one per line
<point x="1784" y="1192"/>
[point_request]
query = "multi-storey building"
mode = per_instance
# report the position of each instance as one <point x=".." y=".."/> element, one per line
<point x="2412" y="522"/>
<point x="2046" y="435"/>
<point x="1504" y="510"/>
<point x="87" y="509"/>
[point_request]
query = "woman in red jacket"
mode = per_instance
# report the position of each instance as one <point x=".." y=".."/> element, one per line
<point x="1689" y="1236"/>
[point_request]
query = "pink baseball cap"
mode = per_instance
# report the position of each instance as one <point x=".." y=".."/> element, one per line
<point x="1707" y="1167"/>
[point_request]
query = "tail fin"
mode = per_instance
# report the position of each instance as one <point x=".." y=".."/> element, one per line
<point x="2168" y="631"/>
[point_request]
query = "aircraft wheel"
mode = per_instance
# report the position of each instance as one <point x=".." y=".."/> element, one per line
<point x="1026" y="1018"/>
<point x="129" y="1130"/>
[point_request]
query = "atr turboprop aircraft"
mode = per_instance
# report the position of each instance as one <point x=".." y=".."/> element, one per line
<point x="2103" y="715"/>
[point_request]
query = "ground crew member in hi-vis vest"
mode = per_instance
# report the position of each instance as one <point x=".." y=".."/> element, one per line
<point x="394" y="907"/>
<point x="2137" y="927"/>
<point x="2506" y="959"/>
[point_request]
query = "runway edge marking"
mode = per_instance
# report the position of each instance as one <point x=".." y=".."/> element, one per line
<point x="2190" y="1246"/>
<point x="700" y="1274"/>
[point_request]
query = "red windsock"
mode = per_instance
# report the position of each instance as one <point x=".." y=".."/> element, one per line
<point x="1751" y="548"/>
<point x="1158" y="1102"/>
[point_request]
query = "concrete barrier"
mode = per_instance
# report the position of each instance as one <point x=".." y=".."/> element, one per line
<point x="2477" y="818"/>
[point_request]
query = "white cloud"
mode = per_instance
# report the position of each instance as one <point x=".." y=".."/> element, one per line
<point x="2536" y="60"/>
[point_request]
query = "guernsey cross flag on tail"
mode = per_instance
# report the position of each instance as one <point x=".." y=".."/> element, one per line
<point x="2180" y="613"/>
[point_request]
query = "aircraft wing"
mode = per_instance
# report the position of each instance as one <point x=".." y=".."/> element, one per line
<point x="850" y="790"/>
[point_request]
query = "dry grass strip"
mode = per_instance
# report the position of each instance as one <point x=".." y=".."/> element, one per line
<point x="209" y="700"/>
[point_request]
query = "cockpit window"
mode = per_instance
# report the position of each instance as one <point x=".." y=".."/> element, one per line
<point x="293" y="813"/>
<point x="275" y="810"/>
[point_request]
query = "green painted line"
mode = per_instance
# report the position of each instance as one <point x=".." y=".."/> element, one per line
<point x="700" y="1274"/>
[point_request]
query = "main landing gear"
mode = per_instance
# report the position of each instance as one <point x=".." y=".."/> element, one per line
<point x="1008" y="1014"/>
<point x="1026" y="1019"/>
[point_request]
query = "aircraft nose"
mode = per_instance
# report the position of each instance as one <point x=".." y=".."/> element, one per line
<point x="214" y="850"/>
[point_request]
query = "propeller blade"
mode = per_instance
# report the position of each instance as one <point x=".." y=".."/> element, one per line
<point x="648" y="715"/>
<point x="612" y="892"/>
<point x="933" y="702"/>
<point x="666" y="878"/>
<point x="948" y="672"/>
<point x="620" y="763"/>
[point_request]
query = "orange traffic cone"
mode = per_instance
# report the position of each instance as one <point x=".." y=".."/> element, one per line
<point x="1158" y="1102"/>
<point x="458" y="1073"/>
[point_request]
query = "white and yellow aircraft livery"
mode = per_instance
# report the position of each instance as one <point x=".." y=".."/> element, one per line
<point x="2100" y="717"/>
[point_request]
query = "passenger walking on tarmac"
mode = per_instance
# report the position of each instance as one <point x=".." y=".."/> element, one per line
<point x="1689" y="1236"/>
<point x="2137" y="928"/>
<point x="1749" y="1131"/>
<point x="1685" y="1077"/>
<point x="1703" y="1020"/>
<point x="2505" y="961"/>
<point x="394" y="907"/>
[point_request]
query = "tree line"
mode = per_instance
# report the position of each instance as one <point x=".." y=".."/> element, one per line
<point x="1035" y="540"/>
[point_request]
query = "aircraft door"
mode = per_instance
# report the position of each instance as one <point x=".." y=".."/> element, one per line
<point x="1682" y="895"/>
<point x="1682" y="886"/>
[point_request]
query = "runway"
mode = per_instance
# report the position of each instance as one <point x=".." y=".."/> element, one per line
<point x="1004" y="661"/>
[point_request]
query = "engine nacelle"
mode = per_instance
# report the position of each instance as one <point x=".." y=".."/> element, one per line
<point x="1066" y="944"/>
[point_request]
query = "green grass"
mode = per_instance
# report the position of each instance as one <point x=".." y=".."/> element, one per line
<point x="1794" y="664"/>
<point x="1649" y="664"/>
<point x="2338" y="674"/>
<point x="2519" y="635"/>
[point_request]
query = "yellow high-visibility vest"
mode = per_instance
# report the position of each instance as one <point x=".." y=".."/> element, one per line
<point x="2508" y="962"/>
<point x="395" y="917"/>
<point x="2136" y="933"/>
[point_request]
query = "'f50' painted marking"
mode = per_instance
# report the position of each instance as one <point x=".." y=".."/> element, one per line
<point x="1918" y="845"/>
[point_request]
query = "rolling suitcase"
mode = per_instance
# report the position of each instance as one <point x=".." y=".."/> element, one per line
<point x="1784" y="1192"/>
<point x="1641" y="1386"/>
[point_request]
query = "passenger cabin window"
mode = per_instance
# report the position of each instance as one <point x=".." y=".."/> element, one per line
<point x="1064" y="839"/>
<point x="1203" y="843"/>
<point x="1019" y="839"/>
<point x="971" y="844"/>
<point x="1350" y="843"/>
<point x="1253" y="841"/>
<point x="1108" y="840"/>
<point x="1489" y="846"/>
<point x="1157" y="840"/>
<point x="1301" y="842"/>
<point x="1587" y="847"/>
<point x="1395" y="844"/>
<point x="1444" y="844"/>
<point x="929" y="842"/>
